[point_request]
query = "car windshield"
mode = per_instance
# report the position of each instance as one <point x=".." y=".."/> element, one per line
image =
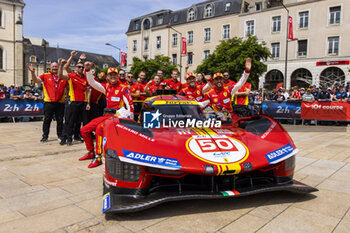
<point x="179" y="112"/>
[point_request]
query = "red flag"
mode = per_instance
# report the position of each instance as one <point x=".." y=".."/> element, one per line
<point x="184" y="46"/>
<point x="122" y="58"/>
<point x="290" y="29"/>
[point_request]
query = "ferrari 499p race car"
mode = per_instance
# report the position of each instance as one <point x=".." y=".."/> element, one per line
<point x="172" y="153"/>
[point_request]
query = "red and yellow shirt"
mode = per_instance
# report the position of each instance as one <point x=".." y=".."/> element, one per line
<point x="193" y="93"/>
<point x="53" y="88"/>
<point x="220" y="99"/>
<point x="176" y="85"/>
<point x="116" y="95"/>
<point x="243" y="100"/>
<point x="95" y="95"/>
<point x="77" y="87"/>
<point x="134" y="88"/>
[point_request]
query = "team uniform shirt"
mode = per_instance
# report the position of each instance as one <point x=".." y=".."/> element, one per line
<point x="77" y="87"/>
<point x="230" y="84"/>
<point x="123" y="83"/>
<point x="162" y="82"/>
<point x="152" y="88"/>
<point x="200" y="84"/>
<point x="192" y="93"/>
<point x="134" y="88"/>
<point x="295" y="95"/>
<point x="95" y="95"/>
<point x="54" y="88"/>
<point x="219" y="99"/>
<point x="142" y="89"/>
<point x="176" y="85"/>
<point x="118" y="96"/>
<point x="243" y="100"/>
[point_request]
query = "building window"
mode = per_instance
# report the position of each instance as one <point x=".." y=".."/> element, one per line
<point x="134" y="46"/>
<point x="258" y="6"/>
<point x="275" y="50"/>
<point x="146" y="24"/>
<point x="105" y="66"/>
<point x="1" y="59"/>
<point x="207" y="34"/>
<point x="334" y="17"/>
<point x="302" y="48"/>
<point x="146" y="44"/>
<point x="227" y="6"/>
<point x="208" y="11"/>
<point x="32" y="59"/>
<point x="189" y="58"/>
<point x="191" y="14"/>
<point x="176" y="18"/>
<point x="145" y="57"/>
<point x="174" y="39"/>
<point x="304" y="19"/>
<point x="250" y="28"/>
<point x="159" y="42"/>
<point x="190" y="37"/>
<point x="276" y="24"/>
<point x="174" y="57"/>
<point x="160" y="19"/>
<point x="226" y="32"/>
<point x="206" y="54"/>
<point x="246" y="7"/>
<point x="137" y="24"/>
<point x="1" y="19"/>
<point x="333" y="45"/>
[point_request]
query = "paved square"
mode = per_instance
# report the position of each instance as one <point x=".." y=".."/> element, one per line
<point x="44" y="188"/>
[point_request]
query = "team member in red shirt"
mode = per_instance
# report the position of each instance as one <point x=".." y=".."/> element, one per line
<point x="122" y="80"/>
<point x="219" y="97"/>
<point x="173" y="83"/>
<point x="192" y="91"/>
<point x="133" y="86"/>
<point x="160" y="75"/>
<point x="154" y="85"/>
<point x="54" y="94"/>
<point x="242" y="96"/>
<point x="76" y="110"/>
<point x="199" y="80"/>
<point x="93" y="100"/>
<point x="227" y="81"/>
<point x="117" y="97"/>
<point x="142" y="84"/>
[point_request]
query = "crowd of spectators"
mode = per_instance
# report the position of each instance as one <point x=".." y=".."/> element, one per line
<point x="336" y="92"/>
<point x="16" y="92"/>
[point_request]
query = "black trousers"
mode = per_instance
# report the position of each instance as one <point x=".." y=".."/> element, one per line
<point x="75" y="114"/>
<point x="94" y="111"/>
<point x="51" y="109"/>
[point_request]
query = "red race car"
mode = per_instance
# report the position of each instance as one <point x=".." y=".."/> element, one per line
<point x="175" y="152"/>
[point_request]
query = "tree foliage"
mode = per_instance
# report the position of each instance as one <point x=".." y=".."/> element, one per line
<point x="151" y="66"/>
<point x="230" y="55"/>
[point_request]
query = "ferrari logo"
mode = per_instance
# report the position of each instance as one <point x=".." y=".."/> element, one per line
<point x="215" y="100"/>
<point x="198" y="92"/>
<point x="225" y="94"/>
<point x="116" y="92"/>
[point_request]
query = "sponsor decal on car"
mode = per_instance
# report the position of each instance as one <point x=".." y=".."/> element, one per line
<point x="106" y="202"/>
<point x="280" y="154"/>
<point x="152" y="159"/>
<point x="230" y="193"/>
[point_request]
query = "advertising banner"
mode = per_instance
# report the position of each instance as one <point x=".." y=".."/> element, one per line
<point x="282" y="109"/>
<point x="337" y="111"/>
<point x="13" y="108"/>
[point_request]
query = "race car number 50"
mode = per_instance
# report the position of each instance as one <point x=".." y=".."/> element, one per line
<point x="217" y="148"/>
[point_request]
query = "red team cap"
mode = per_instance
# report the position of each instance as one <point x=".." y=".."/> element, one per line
<point x="188" y="75"/>
<point x="216" y="75"/>
<point x="112" y="70"/>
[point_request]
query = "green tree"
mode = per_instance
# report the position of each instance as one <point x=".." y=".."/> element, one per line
<point x="151" y="66"/>
<point x="230" y="55"/>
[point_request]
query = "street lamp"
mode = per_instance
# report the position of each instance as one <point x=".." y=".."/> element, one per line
<point x="44" y="44"/>
<point x="116" y="48"/>
<point x="286" y="58"/>
<point x="169" y="26"/>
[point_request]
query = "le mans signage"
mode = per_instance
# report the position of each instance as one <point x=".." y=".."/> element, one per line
<point x="332" y="63"/>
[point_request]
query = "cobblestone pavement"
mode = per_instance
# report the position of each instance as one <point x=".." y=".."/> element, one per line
<point x="44" y="188"/>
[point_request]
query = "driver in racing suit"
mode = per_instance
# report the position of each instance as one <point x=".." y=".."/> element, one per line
<point x="117" y="97"/>
<point x="192" y="91"/>
<point x="219" y="97"/>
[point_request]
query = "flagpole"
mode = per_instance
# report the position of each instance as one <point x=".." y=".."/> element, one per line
<point x="286" y="58"/>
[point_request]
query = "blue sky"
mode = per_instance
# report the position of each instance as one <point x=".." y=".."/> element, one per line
<point x="88" y="24"/>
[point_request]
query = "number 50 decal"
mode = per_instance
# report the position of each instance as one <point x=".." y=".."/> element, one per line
<point x="216" y="145"/>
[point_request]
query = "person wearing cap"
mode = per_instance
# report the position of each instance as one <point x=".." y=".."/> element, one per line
<point x="219" y="97"/>
<point x="54" y="91"/>
<point x="16" y="93"/>
<point x="192" y="91"/>
<point x="117" y="97"/>
<point x="324" y="94"/>
<point x="308" y="96"/>
<point x="76" y="111"/>
<point x="174" y="83"/>
<point x="314" y="91"/>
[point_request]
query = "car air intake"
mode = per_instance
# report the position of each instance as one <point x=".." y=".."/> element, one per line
<point x="119" y="170"/>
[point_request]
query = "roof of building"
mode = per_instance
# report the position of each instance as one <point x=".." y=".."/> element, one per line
<point x="54" y="54"/>
<point x="169" y="17"/>
<point x="16" y="1"/>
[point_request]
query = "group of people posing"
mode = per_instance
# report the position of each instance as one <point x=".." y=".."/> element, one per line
<point x="89" y="93"/>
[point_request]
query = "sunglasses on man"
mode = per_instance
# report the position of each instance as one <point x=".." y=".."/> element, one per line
<point x="122" y="74"/>
<point x="80" y="67"/>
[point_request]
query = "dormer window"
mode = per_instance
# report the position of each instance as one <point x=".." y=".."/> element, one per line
<point x="227" y="6"/>
<point x="160" y="19"/>
<point x="208" y="10"/>
<point x="191" y="14"/>
<point x="137" y="24"/>
<point x="146" y="24"/>
<point x="32" y="59"/>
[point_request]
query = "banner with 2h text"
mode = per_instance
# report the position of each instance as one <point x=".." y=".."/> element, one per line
<point x="14" y="108"/>
<point x="337" y="111"/>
